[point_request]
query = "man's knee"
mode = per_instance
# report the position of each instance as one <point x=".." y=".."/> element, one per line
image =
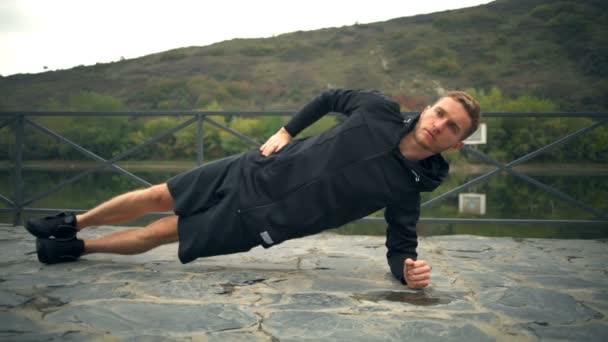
<point x="160" y="196"/>
<point x="161" y="231"/>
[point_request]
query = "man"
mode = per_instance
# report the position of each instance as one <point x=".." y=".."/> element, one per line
<point x="290" y="188"/>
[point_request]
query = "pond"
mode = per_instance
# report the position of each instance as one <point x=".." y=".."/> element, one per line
<point x="505" y="197"/>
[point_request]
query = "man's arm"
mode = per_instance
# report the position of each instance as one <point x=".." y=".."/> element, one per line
<point x="402" y="240"/>
<point x="335" y="100"/>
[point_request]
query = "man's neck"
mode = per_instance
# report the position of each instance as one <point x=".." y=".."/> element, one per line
<point x="411" y="150"/>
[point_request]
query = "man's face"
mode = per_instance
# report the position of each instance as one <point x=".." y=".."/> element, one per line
<point x="442" y="126"/>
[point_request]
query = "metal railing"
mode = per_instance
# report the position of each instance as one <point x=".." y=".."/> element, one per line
<point x="20" y="120"/>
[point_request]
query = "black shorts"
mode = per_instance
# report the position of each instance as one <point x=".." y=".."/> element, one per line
<point x="206" y="202"/>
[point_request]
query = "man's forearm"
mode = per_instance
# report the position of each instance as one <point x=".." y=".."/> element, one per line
<point x="335" y="100"/>
<point x="308" y="115"/>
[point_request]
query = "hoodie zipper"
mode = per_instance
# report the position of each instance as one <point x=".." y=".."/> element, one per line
<point x="416" y="175"/>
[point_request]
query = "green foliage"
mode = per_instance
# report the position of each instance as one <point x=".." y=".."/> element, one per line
<point x="257" y="50"/>
<point x="496" y="101"/>
<point x="167" y="94"/>
<point x="165" y="148"/>
<point x="549" y="49"/>
<point x="422" y="53"/>
<point x="295" y="51"/>
<point x="89" y="101"/>
<point x="173" y="55"/>
<point x="473" y="19"/>
<point x="104" y="136"/>
<point x="548" y="12"/>
<point x="510" y="138"/>
<point x="107" y="136"/>
<point x="443" y="66"/>
<point x="543" y="55"/>
<point x="582" y="31"/>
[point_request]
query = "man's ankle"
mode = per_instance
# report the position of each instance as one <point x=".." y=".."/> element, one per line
<point x="79" y="222"/>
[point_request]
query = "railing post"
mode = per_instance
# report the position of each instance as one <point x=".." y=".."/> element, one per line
<point x="18" y="170"/>
<point x="200" y="136"/>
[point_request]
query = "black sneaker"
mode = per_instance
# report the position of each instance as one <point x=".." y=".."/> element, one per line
<point x="62" y="226"/>
<point x="52" y="251"/>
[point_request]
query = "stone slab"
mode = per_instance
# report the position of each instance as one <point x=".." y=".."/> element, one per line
<point x="325" y="287"/>
<point x="586" y="332"/>
<point x="342" y="327"/>
<point x="538" y="305"/>
<point x="125" y="318"/>
<point x="9" y="299"/>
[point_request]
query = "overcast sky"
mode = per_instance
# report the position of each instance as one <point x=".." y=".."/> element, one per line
<point x="60" y="34"/>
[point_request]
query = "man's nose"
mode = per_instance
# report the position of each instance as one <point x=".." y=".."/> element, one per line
<point x="439" y="125"/>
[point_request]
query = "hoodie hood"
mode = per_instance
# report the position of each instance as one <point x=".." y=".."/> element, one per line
<point x="434" y="170"/>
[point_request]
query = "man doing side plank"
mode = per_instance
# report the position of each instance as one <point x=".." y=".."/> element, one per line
<point x="289" y="188"/>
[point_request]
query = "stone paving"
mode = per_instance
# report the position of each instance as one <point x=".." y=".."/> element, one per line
<point x="323" y="288"/>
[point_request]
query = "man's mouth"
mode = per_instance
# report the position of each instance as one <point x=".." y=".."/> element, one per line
<point x="429" y="133"/>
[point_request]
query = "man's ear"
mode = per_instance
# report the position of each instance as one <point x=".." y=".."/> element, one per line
<point x="458" y="145"/>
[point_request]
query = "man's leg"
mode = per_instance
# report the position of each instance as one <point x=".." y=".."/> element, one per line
<point x="119" y="209"/>
<point x="135" y="240"/>
<point x="66" y="247"/>
<point x="127" y="207"/>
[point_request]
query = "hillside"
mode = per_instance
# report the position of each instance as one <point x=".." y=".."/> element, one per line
<point x="556" y="50"/>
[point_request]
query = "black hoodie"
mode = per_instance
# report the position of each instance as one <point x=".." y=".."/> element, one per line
<point x="343" y="174"/>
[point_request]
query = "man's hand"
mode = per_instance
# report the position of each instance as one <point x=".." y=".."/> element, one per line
<point x="417" y="273"/>
<point x="276" y="142"/>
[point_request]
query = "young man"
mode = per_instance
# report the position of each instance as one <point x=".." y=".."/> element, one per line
<point x="290" y="188"/>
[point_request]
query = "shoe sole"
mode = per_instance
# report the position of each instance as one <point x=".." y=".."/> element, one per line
<point x="42" y="257"/>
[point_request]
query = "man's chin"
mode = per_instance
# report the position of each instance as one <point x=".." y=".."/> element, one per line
<point x="426" y="146"/>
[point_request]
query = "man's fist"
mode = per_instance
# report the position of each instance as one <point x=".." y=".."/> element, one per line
<point x="417" y="273"/>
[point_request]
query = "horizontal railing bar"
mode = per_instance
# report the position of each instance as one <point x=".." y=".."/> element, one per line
<point x="499" y="221"/>
<point x="544" y="115"/>
<point x="379" y="219"/>
<point x="283" y="113"/>
<point x="153" y="113"/>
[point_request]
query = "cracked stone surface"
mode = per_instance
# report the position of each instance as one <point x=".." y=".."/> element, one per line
<point x="584" y="332"/>
<point x="129" y="318"/>
<point x="538" y="305"/>
<point x="322" y="288"/>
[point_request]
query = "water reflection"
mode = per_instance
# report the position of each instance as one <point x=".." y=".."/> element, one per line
<point x="506" y="197"/>
<point x="420" y="298"/>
